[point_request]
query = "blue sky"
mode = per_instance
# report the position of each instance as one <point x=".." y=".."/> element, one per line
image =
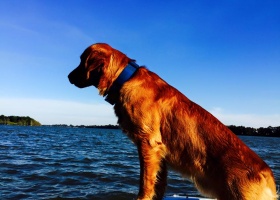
<point x="224" y="55"/>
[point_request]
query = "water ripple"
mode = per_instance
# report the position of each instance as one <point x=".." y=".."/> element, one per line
<point x="66" y="163"/>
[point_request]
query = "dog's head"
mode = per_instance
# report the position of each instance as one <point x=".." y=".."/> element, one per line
<point x="100" y="66"/>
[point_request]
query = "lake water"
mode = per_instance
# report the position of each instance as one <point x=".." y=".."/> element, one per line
<point x="84" y="163"/>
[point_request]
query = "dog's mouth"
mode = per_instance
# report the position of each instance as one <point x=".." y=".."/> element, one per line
<point x="77" y="84"/>
<point x="79" y="81"/>
<point x="73" y="79"/>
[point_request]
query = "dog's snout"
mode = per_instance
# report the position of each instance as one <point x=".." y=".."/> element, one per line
<point x="70" y="77"/>
<point x="77" y="77"/>
<point x="74" y="75"/>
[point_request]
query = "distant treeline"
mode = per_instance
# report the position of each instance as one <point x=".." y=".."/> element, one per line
<point x="238" y="130"/>
<point x="269" y="131"/>
<point x="16" y="120"/>
<point x="109" y="126"/>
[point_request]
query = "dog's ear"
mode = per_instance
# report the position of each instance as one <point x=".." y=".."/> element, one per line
<point x="95" y="62"/>
<point x="104" y="65"/>
<point x="97" y="66"/>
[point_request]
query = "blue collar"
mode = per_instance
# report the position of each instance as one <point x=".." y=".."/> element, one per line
<point x="126" y="74"/>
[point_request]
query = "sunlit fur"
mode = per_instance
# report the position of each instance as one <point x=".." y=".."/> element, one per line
<point x="169" y="129"/>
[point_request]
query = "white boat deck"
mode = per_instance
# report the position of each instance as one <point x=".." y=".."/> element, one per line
<point x="177" y="197"/>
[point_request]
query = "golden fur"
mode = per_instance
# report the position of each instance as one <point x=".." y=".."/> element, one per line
<point x="170" y="129"/>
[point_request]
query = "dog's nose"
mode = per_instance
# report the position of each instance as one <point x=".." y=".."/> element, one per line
<point x="70" y="78"/>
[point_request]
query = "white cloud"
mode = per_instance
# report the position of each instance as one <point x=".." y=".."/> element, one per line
<point x="248" y="120"/>
<point x="48" y="111"/>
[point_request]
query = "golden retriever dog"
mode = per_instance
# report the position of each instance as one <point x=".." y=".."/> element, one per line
<point x="171" y="130"/>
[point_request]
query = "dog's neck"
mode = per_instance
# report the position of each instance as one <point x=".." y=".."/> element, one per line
<point x="126" y="74"/>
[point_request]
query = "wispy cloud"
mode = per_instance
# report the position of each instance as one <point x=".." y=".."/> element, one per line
<point x="75" y="32"/>
<point x="17" y="28"/>
<point x="48" y="111"/>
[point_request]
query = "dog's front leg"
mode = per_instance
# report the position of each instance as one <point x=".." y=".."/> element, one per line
<point x="153" y="170"/>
